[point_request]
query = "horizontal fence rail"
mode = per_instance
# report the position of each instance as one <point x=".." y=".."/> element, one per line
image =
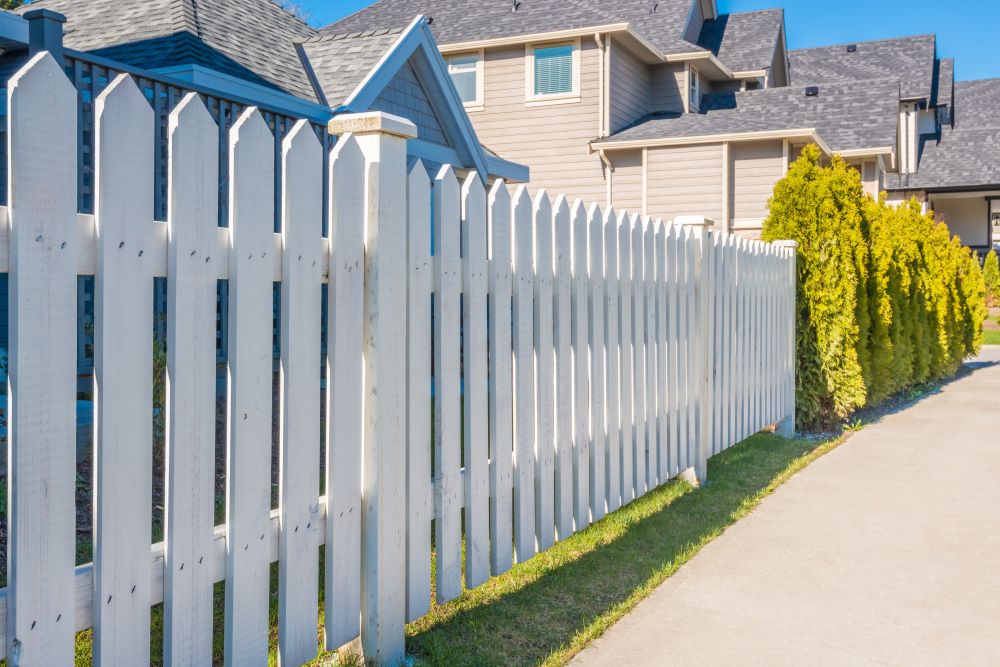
<point x="503" y="369"/>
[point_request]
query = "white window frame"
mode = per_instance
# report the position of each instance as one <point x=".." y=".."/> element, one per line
<point x="478" y="104"/>
<point x="533" y="100"/>
<point x="693" y="83"/>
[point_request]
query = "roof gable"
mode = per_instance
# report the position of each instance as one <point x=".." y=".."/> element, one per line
<point x="404" y="73"/>
<point x="744" y="41"/>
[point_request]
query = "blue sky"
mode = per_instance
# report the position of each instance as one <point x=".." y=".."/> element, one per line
<point x="966" y="29"/>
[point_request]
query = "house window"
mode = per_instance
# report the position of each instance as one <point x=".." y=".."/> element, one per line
<point x="466" y="72"/>
<point x="693" y="90"/>
<point x="553" y="72"/>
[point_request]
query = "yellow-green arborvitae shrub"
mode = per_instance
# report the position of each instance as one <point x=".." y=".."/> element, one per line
<point x="821" y="208"/>
<point x="886" y="298"/>
<point x="991" y="276"/>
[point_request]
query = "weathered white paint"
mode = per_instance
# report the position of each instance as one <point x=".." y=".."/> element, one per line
<point x="190" y="395"/>
<point x="419" y="492"/>
<point x="612" y="326"/>
<point x="342" y="576"/>
<point x="563" y="341"/>
<point x="544" y="372"/>
<point x="598" y="436"/>
<point x="123" y="374"/>
<point x="299" y="448"/>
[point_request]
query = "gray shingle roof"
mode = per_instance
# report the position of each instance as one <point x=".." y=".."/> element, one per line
<point x="909" y="59"/>
<point x="464" y="21"/>
<point x="341" y="62"/>
<point x="250" y="39"/>
<point x="965" y="156"/>
<point x="847" y="116"/>
<point x="745" y="41"/>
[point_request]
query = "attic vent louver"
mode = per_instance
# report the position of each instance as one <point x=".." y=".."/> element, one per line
<point x="852" y="48"/>
<point x="812" y="91"/>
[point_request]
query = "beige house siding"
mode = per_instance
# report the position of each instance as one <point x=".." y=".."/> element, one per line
<point x="630" y="88"/>
<point x="756" y="167"/>
<point x="668" y="87"/>
<point x="966" y="218"/>
<point x="626" y="181"/>
<point x="551" y="139"/>
<point x="684" y="180"/>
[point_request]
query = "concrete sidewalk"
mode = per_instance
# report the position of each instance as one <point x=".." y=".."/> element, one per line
<point x="884" y="552"/>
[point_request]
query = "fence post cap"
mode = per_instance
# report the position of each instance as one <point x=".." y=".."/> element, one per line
<point x="787" y="244"/>
<point x="373" y="122"/>
<point x="694" y="221"/>
<point x="43" y="13"/>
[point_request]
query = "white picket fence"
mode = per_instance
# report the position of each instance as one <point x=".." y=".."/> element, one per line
<point x="596" y="355"/>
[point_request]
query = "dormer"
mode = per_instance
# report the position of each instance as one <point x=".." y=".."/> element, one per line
<point x="701" y="11"/>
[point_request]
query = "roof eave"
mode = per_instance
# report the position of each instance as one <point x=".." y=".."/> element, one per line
<point x="808" y="134"/>
<point x="513" y="40"/>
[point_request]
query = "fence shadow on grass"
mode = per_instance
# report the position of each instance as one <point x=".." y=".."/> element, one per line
<point x="545" y="607"/>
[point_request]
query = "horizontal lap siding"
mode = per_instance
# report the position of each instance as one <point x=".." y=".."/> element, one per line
<point x="667" y="87"/>
<point x="684" y="180"/>
<point x="966" y="218"/>
<point x="626" y="182"/>
<point x="630" y="88"/>
<point x="552" y="140"/>
<point x="756" y="168"/>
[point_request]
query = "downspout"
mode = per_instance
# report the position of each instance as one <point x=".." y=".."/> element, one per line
<point x="609" y="171"/>
<point x="601" y="76"/>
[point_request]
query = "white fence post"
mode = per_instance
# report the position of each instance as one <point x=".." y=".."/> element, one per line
<point x="382" y="139"/>
<point x="702" y="275"/>
<point x="786" y="427"/>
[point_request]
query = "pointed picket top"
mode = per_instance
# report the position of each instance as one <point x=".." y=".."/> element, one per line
<point x="120" y="94"/>
<point x="473" y="194"/>
<point x="498" y="194"/>
<point x="521" y="199"/>
<point x="541" y="201"/>
<point x="43" y="75"/>
<point x="249" y="132"/>
<point x="419" y="182"/>
<point x="192" y="113"/>
<point x="300" y="138"/>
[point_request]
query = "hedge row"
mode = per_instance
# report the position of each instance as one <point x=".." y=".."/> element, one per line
<point x="886" y="298"/>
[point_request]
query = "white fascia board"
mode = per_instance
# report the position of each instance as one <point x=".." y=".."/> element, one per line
<point x="808" y="134"/>
<point x="515" y="40"/>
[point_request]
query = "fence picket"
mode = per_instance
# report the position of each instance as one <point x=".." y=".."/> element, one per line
<point x="447" y="385"/>
<point x="42" y="364"/>
<point x="544" y="373"/>
<point x="563" y="309"/>
<point x="419" y="493"/>
<point x="649" y="341"/>
<point x="613" y="463"/>
<point x="344" y="394"/>
<point x="476" y="441"/>
<point x="501" y="381"/>
<point x="301" y="299"/>
<point x="524" y="388"/>
<point x="662" y="402"/>
<point x="123" y="300"/>
<point x="640" y="386"/>
<point x="674" y="386"/>
<point x="190" y="397"/>
<point x="248" y="445"/>
<point x="626" y="410"/>
<point x="598" y="443"/>
<point x="581" y="360"/>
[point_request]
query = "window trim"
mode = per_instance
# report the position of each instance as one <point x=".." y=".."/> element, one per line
<point x="478" y="104"/>
<point x="693" y="82"/>
<point x="531" y="98"/>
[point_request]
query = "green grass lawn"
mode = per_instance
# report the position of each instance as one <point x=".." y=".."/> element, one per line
<point x="546" y="610"/>
<point x="991" y="337"/>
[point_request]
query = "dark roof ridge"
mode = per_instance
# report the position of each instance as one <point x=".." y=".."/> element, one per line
<point x="356" y="34"/>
